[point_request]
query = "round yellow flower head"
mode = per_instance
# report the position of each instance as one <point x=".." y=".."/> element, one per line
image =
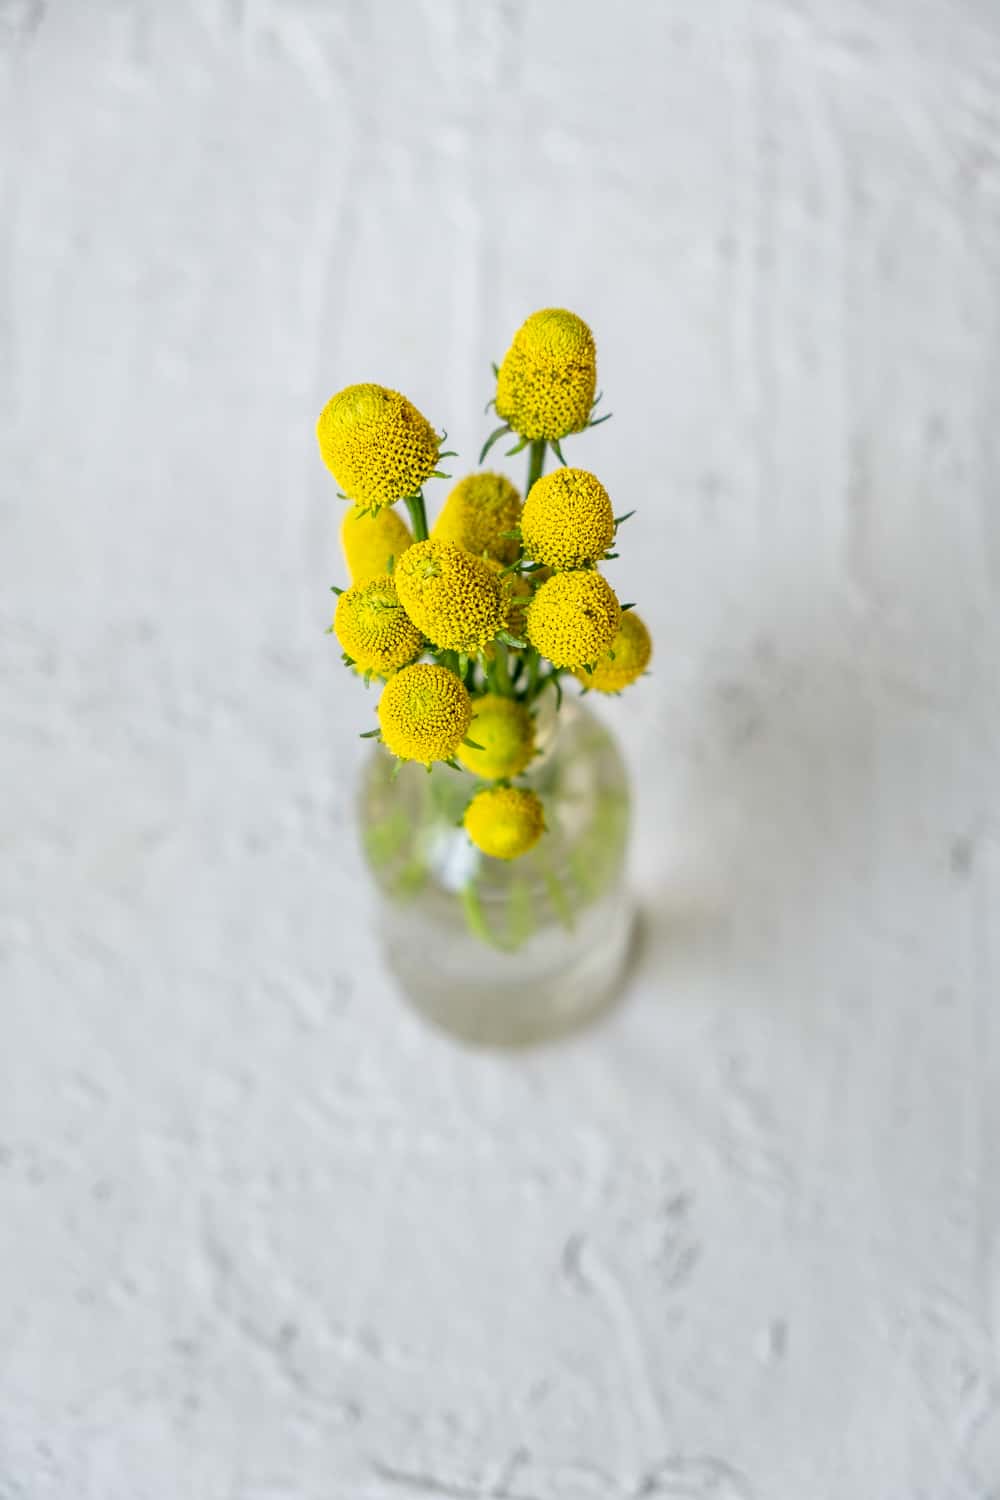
<point x="568" y="520"/>
<point x="477" y="513"/>
<point x="424" y="713"/>
<point x="374" y="629"/>
<point x="506" y="731"/>
<point x="452" y="596"/>
<point x="545" y="388"/>
<point x="376" y="445"/>
<point x="504" y="821"/>
<point x="632" y="648"/>
<point x="573" y="618"/>
<point x="369" y="542"/>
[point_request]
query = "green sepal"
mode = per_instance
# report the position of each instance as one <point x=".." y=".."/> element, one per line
<point x="557" y="684"/>
<point x="334" y="590"/>
<point x="511" y="640"/>
<point x="620" y="520"/>
<point x="494" y="437"/>
<point x="554" y="445"/>
<point x="596" y="421"/>
<point x="472" y="744"/>
<point x="347" y="660"/>
<point x="463" y="663"/>
<point x="495" y="368"/>
<point x="624" y="607"/>
<point x="518" y="447"/>
<point x="370" y="734"/>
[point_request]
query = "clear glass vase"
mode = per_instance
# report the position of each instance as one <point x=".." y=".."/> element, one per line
<point x="498" y="952"/>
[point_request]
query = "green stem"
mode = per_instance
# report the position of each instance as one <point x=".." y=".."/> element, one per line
<point x="501" y="672"/>
<point x="418" y="516"/>
<point x="536" y="462"/>
<point x="531" y="687"/>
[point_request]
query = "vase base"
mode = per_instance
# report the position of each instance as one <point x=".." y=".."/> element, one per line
<point x="512" y="1003"/>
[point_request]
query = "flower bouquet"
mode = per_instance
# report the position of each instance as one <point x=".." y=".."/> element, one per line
<point x="471" y="628"/>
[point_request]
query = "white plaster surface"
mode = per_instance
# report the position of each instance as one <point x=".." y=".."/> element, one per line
<point x="262" y="1235"/>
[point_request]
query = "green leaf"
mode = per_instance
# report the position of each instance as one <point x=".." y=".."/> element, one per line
<point x="494" y="437"/>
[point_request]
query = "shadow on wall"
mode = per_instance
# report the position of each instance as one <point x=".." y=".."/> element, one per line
<point x="813" y="791"/>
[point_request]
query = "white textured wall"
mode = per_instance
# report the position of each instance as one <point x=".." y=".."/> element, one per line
<point x="262" y="1236"/>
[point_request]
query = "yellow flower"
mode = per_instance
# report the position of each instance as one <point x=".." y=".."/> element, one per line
<point x="374" y="629"/>
<point x="632" y="648"/>
<point x="545" y="387"/>
<point x="376" y="445"/>
<point x="504" y="821"/>
<point x="424" y="713"/>
<point x="452" y="596"/>
<point x="368" y="542"/>
<point x="506" y="731"/>
<point x="480" y="508"/>
<point x="568" y="520"/>
<point x="573" y="618"/>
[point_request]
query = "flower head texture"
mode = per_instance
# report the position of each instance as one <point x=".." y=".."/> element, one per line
<point x="573" y="618"/>
<point x="504" y="821"/>
<point x="476" y="515"/>
<point x="568" y="520"/>
<point x="374" y="629"/>
<point x="453" y="597"/>
<point x="424" y="713"/>
<point x="370" y="542"/>
<point x="627" y="659"/>
<point x="376" y="445"/>
<point x="545" y="388"/>
<point x="506" y="731"/>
